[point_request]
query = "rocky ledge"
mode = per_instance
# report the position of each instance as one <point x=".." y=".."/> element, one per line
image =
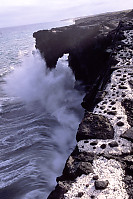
<point x="101" y="55"/>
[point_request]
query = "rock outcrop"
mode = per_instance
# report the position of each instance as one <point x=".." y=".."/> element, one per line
<point x="101" y="56"/>
<point x="95" y="126"/>
<point x="88" y="43"/>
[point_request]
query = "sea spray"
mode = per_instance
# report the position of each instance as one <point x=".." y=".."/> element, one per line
<point x="51" y="91"/>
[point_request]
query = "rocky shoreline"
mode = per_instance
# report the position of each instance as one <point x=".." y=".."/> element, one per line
<point x="101" y="56"/>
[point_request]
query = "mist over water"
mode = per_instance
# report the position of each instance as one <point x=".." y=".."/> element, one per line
<point x="52" y="89"/>
<point x="47" y="120"/>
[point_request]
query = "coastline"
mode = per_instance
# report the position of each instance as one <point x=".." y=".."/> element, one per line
<point x="101" y="164"/>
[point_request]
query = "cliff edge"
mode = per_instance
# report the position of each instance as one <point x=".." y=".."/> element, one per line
<point x="101" y="56"/>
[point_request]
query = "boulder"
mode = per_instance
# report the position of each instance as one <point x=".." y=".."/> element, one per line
<point x="76" y="167"/>
<point x="101" y="184"/>
<point x="95" y="126"/>
<point x="113" y="144"/>
<point x="77" y="164"/>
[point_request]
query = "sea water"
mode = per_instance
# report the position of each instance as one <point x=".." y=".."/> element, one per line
<point x="39" y="115"/>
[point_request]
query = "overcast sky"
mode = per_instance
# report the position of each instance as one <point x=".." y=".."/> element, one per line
<point x="21" y="12"/>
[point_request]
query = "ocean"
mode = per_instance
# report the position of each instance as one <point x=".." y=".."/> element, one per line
<point x="39" y="115"/>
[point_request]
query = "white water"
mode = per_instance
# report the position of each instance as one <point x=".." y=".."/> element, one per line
<point x="53" y="90"/>
<point x="51" y="96"/>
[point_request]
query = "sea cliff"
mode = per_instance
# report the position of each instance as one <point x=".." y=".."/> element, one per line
<point x="101" y="56"/>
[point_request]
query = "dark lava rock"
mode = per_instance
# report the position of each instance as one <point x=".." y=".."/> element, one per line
<point x="113" y="102"/>
<point x="75" y="168"/>
<point x="120" y="123"/>
<point x="122" y="87"/>
<point x="103" y="146"/>
<point x="101" y="184"/>
<point x="122" y="79"/>
<point x="113" y="144"/>
<point x="94" y="143"/>
<point x="87" y="43"/>
<point x="92" y="64"/>
<point x="112" y="112"/>
<point x="84" y="46"/>
<point x="86" y="141"/>
<point x="93" y="197"/>
<point x="60" y="189"/>
<point x="95" y="126"/>
<point x="123" y="95"/>
<point x="80" y="194"/>
<point x="113" y="108"/>
<point x="95" y="177"/>
<point x="128" y="134"/>
<point x="77" y="164"/>
<point x="127" y="163"/>
<point x="128" y="105"/>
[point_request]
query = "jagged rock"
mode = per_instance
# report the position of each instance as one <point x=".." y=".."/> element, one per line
<point x="77" y="164"/>
<point x="87" y="65"/>
<point x="95" y="126"/>
<point x="60" y="189"/>
<point x="101" y="184"/>
<point x="128" y="134"/>
<point x="58" y="41"/>
<point x="75" y="168"/>
<point x="86" y="44"/>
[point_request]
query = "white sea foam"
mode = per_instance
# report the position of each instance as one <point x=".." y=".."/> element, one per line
<point x="54" y="89"/>
<point x="51" y="91"/>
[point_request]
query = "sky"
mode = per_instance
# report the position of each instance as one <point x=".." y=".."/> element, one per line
<point x="22" y="12"/>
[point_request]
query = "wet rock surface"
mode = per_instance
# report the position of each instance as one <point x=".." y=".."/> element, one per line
<point x="101" y="166"/>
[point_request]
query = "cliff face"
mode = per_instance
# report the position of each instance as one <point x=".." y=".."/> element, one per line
<point x="88" y="43"/>
<point x="101" y="55"/>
